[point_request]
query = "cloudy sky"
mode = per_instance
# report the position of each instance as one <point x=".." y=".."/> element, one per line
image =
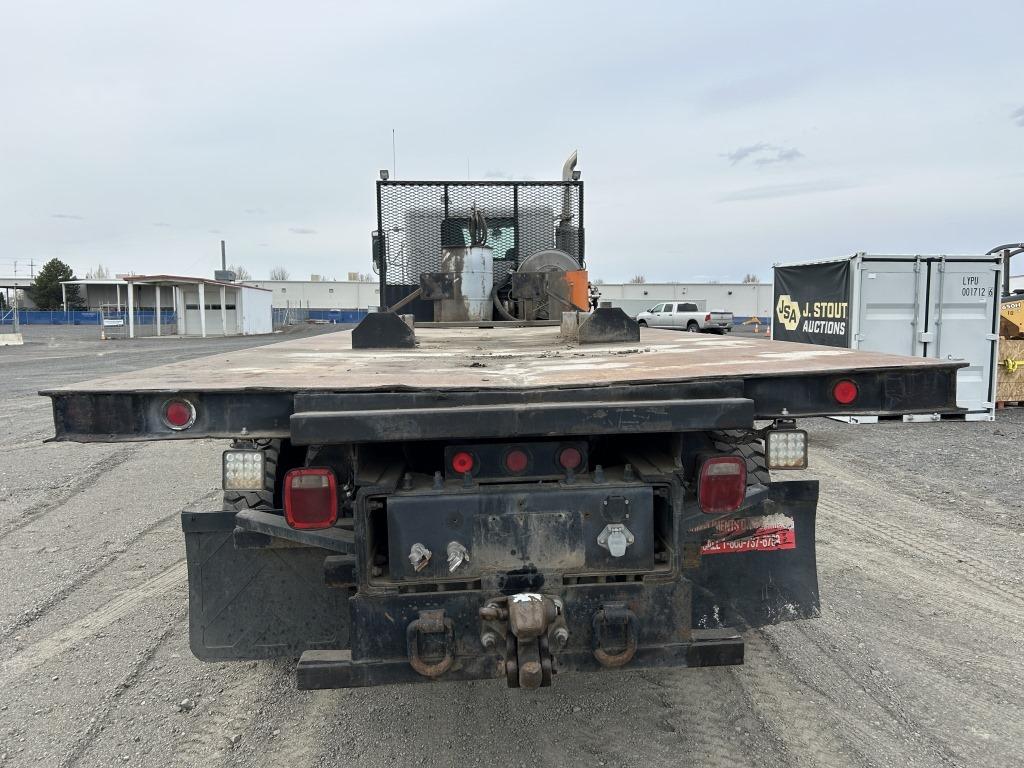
<point x="714" y="139"/>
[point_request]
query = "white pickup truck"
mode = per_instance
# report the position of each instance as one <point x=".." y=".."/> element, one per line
<point x="685" y="316"/>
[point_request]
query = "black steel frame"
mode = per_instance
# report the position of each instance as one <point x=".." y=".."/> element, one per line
<point x="126" y="416"/>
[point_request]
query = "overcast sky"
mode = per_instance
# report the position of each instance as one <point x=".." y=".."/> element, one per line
<point x="714" y="138"/>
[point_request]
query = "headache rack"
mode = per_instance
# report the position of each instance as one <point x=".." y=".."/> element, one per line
<point x="416" y="219"/>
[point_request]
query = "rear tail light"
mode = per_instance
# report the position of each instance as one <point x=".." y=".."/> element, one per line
<point x="786" y="448"/>
<point x="845" y="392"/>
<point x="570" y="458"/>
<point x="179" y="414"/>
<point x="243" y="470"/>
<point x="516" y="461"/>
<point x="310" y="498"/>
<point x="463" y="462"/>
<point x="707" y="318"/>
<point x="722" y="484"/>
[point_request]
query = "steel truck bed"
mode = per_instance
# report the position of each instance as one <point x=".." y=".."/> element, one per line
<point x="497" y="502"/>
<point x="257" y="391"/>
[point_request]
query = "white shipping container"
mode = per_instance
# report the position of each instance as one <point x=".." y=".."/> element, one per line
<point x="944" y="307"/>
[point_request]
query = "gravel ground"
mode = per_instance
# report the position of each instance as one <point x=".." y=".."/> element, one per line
<point x="916" y="660"/>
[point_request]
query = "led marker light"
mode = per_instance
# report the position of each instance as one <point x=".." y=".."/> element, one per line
<point x="243" y="470"/>
<point x="786" y="448"/>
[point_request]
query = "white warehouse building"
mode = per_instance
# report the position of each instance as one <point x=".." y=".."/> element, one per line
<point x="744" y="300"/>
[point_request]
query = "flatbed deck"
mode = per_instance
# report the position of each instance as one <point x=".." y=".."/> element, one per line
<point x="495" y="358"/>
<point x="516" y="381"/>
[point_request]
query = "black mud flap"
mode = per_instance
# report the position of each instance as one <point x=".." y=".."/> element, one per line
<point x="764" y="570"/>
<point x="257" y="602"/>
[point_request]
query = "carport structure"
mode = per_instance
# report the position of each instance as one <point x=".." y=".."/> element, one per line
<point x="201" y="306"/>
<point x="189" y="299"/>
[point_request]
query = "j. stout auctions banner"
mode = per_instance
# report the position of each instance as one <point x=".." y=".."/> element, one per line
<point x="812" y="304"/>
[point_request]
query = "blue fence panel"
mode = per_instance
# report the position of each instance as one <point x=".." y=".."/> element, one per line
<point x="81" y="317"/>
<point x="296" y="315"/>
<point x="337" y="315"/>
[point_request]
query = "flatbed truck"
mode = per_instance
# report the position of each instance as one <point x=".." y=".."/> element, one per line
<point x="573" y="481"/>
<point x="505" y="501"/>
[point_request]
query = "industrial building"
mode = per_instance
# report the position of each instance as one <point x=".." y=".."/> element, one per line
<point x="744" y="300"/>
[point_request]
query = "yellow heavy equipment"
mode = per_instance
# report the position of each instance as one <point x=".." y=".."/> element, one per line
<point x="1011" y="317"/>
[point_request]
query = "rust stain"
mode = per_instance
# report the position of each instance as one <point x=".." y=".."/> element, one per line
<point x="529" y="358"/>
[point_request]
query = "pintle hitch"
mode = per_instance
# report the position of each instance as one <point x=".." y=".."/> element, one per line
<point x="529" y="625"/>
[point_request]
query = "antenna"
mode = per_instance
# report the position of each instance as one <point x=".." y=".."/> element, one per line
<point x="394" y="155"/>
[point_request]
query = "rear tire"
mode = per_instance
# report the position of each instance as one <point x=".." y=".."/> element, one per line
<point x="239" y="500"/>
<point x="735" y="442"/>
<point x="692" y="327"/>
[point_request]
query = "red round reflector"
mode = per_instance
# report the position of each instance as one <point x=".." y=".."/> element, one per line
<point x="570" y="458"/>
<point x="179" y="414"/>
<point x="516" y="461"/>
<point x="845" y="392"/>
<point x="462" y="462"/>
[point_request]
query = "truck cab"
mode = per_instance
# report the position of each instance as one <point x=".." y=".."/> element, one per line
<point x="685" y="316"/>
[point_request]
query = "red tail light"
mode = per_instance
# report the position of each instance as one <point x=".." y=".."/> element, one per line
<point x="463" y="462"/>
<point x="179" y="414"/>
<point x="516" y="461"/>
<point x="845" y="392"/>
<point x="310" y="498"/>
<point x="722" y="484"/>
<point x="707" y="318"/>
<point x="570" y="458"/>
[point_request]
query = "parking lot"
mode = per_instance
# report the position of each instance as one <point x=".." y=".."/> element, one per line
<point x="915" y="661"/>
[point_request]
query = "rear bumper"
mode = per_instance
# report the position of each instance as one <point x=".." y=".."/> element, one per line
<point x="335" y="669"/>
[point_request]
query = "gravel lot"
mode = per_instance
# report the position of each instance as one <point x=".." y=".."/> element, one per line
<point x="916" y="660"/>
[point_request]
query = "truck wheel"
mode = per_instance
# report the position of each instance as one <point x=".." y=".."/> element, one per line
<point x="642" y="323"/>
<point x="239" y="500"/>
<point x="734" y="442"/>
<point x="692" y="327"/>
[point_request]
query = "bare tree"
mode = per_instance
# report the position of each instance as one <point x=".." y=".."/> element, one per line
<point x="100" y="273"/>
<point x="241" y="273"/>
<point x="279" y="273"/>
<point x="366" y="277"/>
<point x="599" y="281"/>
<point x="751" y="278"/>
<point x="637" y="280"/>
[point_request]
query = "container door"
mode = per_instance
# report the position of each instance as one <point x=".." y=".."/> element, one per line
<point x="961" y="322"/>
<point x="890" y="306"/>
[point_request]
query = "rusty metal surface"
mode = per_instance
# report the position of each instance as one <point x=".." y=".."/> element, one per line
<point x="495" y="358"/>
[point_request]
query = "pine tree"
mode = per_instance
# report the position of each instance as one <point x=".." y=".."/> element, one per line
<point x="45" y="292"/>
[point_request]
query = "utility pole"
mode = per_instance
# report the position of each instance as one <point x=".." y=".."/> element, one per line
<point x="32" y="269"/>
<point x="394" y="156"/>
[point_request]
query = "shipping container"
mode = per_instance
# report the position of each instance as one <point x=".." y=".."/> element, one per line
<point x="945" y="307"/>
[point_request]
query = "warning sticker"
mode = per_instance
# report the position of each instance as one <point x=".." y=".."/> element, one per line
<point x="751" y="534"/>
